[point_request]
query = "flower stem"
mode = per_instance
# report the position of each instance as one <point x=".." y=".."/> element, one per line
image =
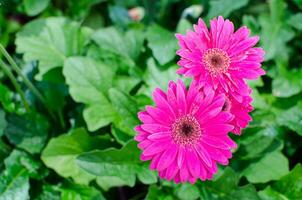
<point x="10" y="75"/>
<point x="27" y="82"/>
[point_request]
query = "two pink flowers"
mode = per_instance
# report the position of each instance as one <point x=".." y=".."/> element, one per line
<point x="185" y="135"/>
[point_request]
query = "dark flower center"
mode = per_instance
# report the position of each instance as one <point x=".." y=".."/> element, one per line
<point x="216" y="61"/>
<point x="186" y="130"/>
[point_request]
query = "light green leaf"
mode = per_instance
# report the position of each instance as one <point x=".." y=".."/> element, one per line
<point x="271" y="167"/>
<point x="107" y="182"/>
<point x="51" y="41"/>
<point x="183" y="26"/>
<point x="126" y="107"/>
<point x="291" y="184"/>
<point x="34" y="7"/>
<point x="80" y="192"/>
<point x="87" y="76"/>
<point x="287" y="83"/>
<point x="224" y="7"/>
<point x="187" y="192"/>
<point x="61" y="152"/>
<point x="274" y="32"/>
<point x="28" y="132"/>
<point x="162" y="43"/>
<point x="292" y="118"/>
<point x="156" y="78"/>
<point x="123" y="163"/>
<point x="296" y="21"/>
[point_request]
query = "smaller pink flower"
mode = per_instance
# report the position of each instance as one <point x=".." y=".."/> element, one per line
<point x="220" y="57"/>
<point x="186" y="134"/>
<point x="240" y="111"/>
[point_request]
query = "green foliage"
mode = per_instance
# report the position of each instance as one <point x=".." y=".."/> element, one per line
<point x="96" y="67"/>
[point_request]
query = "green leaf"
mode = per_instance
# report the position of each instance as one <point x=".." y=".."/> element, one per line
<point x="292" y="118"/>
<point x="34" y="7"/>
<point x="271" y="167"/>
<point x="162" y="43"/>
<point x="61" y="152"/>
<point x="274" y="32"/>
<point x="296" y="21"/>
<point x="49" y="193"/>
<point x="157" y="78"/>
<point x="126" y="107"/>
<point x="87" y="76"/>
<point x="183" y="26"/>
<point x="14" y="181"/>
<point x="123" y="163"/>
<point x="224" y="7"/>
<point x="291" y="184"/>
<point x="287" y="83"/>
<point x="29" y="131"/>
<point x="225" y="187"/>
<point x="107" y="182"/>
<point x="7" y="100"/>
<point x="187" y="192"/>
<point x="80" y="192"/>
<point x="288" y="187"/>
<point x="51" y="41"/>
<point x="3" y="122"/>
<point x="120" y="136"/>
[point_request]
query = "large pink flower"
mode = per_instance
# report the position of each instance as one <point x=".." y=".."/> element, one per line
<point x="186" y="134"/>
<point x="220" y="57"/>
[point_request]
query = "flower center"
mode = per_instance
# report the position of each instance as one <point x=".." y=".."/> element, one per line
<point x="186" y="130"/>
<point x="216" y="61"/>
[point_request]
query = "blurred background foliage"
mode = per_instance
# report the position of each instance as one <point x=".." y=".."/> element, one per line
<point x="95" y="64"/>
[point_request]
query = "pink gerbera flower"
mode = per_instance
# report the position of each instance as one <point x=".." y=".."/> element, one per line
<point x="240" y="111"/>
<point x="220" y="57"/>
<point x="186" y="134"/>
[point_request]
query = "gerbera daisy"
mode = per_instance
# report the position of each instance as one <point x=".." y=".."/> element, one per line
<point x="220" y="57"/>
<point x="240" y="111"/>
<point x="186" y="134"/>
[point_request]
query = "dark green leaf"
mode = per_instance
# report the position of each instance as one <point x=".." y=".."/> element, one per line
<point x="28" y="131"/>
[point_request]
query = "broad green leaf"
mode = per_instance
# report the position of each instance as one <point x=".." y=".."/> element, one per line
<point x="162" y="43"/>
<point x="226" y="187"/>
<point x="51" y="41"/>
<point x="87" y="76"/>
<point x="269" y="194"/>
<point x="256" y="143"/>
<point x="120" y="136"/>
<point x="123" y="163"/>
<point x="14" y="181"/>
<point x="29" y="131"/>
<point x="183" y="26"/>
<point x="275" y="33"/>
<point x="187" y="192"/>
<point x="287" y="83"/>
<point x="120" y="49"/>
<point x="291" y="184"/>
<point x="125" y="83"/>
<point x="271" y="167"/>
<point x="61" y="152"/>
<point x="80" y="192"/>
<point x="157" y="78"/>
<point x="288" y="187"/>
<point x="34" y="7"/>
<point x="126" y="107"/>
<point x="107" y="182"/>
<point x="292" y="118"/>
<point x="157" y="193"/>
<point x="296" y="21"/>
<point x="224" y="7"/>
